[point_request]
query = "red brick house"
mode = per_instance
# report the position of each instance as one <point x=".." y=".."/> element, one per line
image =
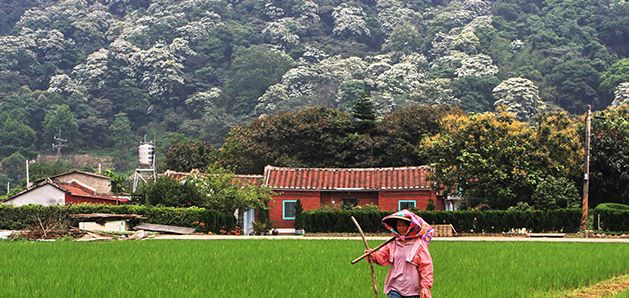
<point x="388" y="188"/>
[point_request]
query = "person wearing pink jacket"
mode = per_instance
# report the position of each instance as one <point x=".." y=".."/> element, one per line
<point x="410" y="273"/>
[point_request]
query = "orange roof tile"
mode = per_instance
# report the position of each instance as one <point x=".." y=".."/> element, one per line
<point x="347" y="178"/>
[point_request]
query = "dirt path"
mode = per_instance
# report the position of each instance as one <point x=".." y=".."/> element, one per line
<point x="606" y="288"/>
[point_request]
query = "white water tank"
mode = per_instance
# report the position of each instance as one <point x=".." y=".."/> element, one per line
<point x="147" y="153"/>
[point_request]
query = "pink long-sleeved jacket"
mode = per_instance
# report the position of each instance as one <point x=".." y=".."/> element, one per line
<point x="411" y="271"/>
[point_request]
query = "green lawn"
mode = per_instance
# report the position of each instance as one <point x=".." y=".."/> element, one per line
<point x="292" y="268"/>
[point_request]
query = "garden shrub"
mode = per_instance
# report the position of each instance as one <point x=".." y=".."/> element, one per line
<point x="203" y="219"/>
<point x="613" y="217"/>
<point x="493" y="221"/>
<point x="612" y="206"/>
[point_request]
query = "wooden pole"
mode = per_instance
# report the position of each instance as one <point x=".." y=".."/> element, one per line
<point x="373" y="273"/>
<point x="372" y="251"/>
<point x="586" y="172"/>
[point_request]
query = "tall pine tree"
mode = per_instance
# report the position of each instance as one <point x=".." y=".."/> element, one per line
<point x="364" y="114"/>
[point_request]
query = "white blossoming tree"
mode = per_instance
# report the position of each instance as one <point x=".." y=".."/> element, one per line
<point x="520" y="96"/>
<point x="479" y="65"/>
<point x="434" y="91"/>
<point x="621" y="94"/>
<point x="400" y="78"/>
<point x="269" y="102"/>
<point x="14" y="49"/>
<point x="204" y="102"/>
<point x="350" y="21"/>
<point x="160" y="71"/>
<point x="93" y="73"/>
<point x="50" y="45"/>
<point x="392" y="14"/>
<point x="283" y="32"/>
<point x="313" y="55"/>
<point x="64" y="85"/>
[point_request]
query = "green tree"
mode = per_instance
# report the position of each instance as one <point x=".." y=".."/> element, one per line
<point x="253" y="70"/>
<point x="60" y="119"/>
<point x="190" y="154"/>
<point x="553" y="193"/>
<point x="475" y="93"/>
<point x="350" y="91"/>
<point x="121" y="136"/>
<point x="364" y="114"/>
<point x="14" y="166"/>
<point x="315" y="136"/>
<point x="496" y="160"/>
<point x="399" y="133"/>
<point x="41" y="170"/>
<point x="119" y="182"/>
<point x="574" y="84"/>
<point x="487" y="155"/>
<point x="226" y="192"/>
<point x="404" y="39"/>
<point x="613" y="30"/>
<point x="26" y="106"/>
<point x="166" y="191"/>
<point x="558" y="145"/>
<point x="615" y="74"/>
<point x="15" y="136"/>
<point x="299" y="221"/>
<point x="609" y="163"/>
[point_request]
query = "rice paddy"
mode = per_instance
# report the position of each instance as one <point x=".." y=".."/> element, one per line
<point x="292" y="268"/>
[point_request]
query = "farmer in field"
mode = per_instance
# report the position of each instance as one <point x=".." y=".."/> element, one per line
<point x="410" y="273"/>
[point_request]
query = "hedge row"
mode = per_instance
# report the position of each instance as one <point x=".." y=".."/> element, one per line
<point x="611" y="220"/>
<point x="563" y="220"/>
<point x="21" y="217"/>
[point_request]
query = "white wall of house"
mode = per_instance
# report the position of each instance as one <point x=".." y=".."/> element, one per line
<point x="46" y="195"/>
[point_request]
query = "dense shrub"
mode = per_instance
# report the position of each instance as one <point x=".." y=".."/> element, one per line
<point x="562" y="220"/>
<point x="613" y="216"/>
<point x="612" y="206"/>
<point x="200" y="218"/>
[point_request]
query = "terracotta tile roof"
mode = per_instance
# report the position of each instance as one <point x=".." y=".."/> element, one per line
<point x="401" y="178"/>
<point x="182" y="175"/>
<point x="249" y="179"/>
<point x="78" y="190"/>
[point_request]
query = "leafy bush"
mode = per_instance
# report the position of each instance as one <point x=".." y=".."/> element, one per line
<point x="299" y="221"/>
<point x="495" y="221"/>
<point x="612" y="206"/>
<point x="552" y="193"/>
<point x="430" y="206"/>
<point x="613" y="216"/>
<point x="169" y="192"/>
<point x="200" y="218"/>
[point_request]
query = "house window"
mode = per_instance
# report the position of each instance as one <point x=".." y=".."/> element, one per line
<point x="288" y="210"/>
<point x="406" y="204"/>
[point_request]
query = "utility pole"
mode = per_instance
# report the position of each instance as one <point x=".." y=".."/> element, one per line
<point x="28" y="177"/>
<point x="28" y="182"/>
<point x="59" y="144"/>
<point x="586" y="171"/>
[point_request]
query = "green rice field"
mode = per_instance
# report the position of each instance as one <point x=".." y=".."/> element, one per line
<point x="292" y="268"/>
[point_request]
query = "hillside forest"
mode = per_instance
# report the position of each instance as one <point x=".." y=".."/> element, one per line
<point x="492" y="93"/>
